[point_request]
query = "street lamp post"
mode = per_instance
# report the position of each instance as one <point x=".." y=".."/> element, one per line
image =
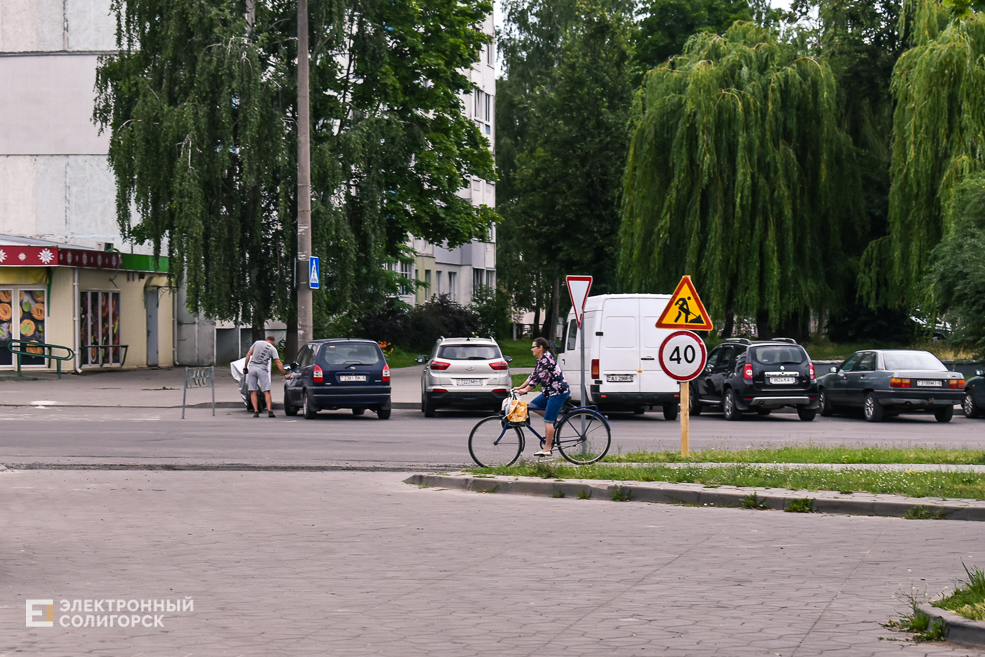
<point x="305" y="319"/>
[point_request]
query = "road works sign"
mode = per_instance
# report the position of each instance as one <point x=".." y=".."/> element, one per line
<point x="578" y="287"/>
<point x="685" y="310"/>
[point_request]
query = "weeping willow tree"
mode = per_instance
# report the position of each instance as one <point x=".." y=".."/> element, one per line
<point x="938" y="139"/>
<point x="739" y="175"/>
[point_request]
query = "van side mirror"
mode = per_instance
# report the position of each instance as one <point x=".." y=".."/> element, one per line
<point x="421" y="359"/>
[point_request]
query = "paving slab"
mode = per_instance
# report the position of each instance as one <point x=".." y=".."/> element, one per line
<point x="363" y="564"/>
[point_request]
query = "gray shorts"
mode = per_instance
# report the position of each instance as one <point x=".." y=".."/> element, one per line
<point x="258" y="379"/>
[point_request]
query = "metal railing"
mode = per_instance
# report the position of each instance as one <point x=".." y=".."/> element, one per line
<point x="21" y="348"/>
<point x="103" y="349"/>
<point x="198" y="377"/>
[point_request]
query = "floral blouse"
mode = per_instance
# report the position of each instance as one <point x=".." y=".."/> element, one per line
<point x="549" y="375"/>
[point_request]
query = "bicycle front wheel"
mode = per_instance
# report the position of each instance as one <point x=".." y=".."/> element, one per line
<point x="493" y="442"/>
<point x="583" y="437"/>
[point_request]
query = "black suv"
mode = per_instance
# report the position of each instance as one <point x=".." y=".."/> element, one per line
<point x="745" y="375"/>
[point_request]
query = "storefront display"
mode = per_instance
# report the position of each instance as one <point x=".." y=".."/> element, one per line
<point x="22" y="317"/>
<point x="100" y="315"/>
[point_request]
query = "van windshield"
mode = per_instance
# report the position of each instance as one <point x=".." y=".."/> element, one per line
<point x="469" y="352"/>
<point x="351" y="354"/>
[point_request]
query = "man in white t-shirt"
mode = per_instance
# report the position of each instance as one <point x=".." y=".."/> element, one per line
<point x="257" y="361"/>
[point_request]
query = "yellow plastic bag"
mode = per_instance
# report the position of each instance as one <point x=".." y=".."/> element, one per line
<point x="518" y="411"/>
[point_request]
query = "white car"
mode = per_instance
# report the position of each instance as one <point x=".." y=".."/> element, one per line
<point x="464" y="373"/>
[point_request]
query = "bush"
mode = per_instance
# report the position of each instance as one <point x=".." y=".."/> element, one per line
<point x="417" y="328"/>
<point x="492" y="308"/>
<point x="861" y="324"/>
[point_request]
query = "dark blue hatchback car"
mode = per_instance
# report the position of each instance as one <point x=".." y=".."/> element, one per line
<point x="339" y="373"/>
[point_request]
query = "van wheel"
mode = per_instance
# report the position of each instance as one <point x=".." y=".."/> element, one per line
<point x="309" y="410"/>
<point x="729" y="409"/>
<point x="671" y="411"/>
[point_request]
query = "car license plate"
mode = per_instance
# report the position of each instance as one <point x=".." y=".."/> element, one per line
<point x="468" y="382"/>
<point x="929" y="384"/>
<point x="780" y="380"/>
<point x="619" y="378"/>
<point x="352" y="377"/>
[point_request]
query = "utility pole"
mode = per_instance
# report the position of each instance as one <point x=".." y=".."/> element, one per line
<point x="305" y="319"/>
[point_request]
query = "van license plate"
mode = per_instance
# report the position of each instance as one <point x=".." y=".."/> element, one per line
<point x="352" y="377"/>
<point x="619" y="378"/>
<point x="929" y="384"/>
<point x="468" y="382"/>
<point x="782" y="380"/>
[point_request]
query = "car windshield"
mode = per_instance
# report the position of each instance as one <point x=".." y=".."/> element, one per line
<point x="912" y="360"/>
<point x="469" y="352"/>
<point x="351" y="354"/>
<point x="778" y="355"/>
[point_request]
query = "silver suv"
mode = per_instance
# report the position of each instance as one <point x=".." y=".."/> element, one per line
<point x="464" y="372"/>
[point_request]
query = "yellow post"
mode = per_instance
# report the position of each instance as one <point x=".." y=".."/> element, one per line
<point x="685" y="418"/>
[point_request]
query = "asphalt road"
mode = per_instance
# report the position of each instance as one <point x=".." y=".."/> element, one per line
<point x="406" y="441"/>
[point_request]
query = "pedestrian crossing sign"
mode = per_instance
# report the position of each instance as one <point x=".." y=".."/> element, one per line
<point x="313" y="281"/>
<point x="685" y="310"/>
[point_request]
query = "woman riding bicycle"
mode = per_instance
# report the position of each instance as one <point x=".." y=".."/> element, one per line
<point x="555" y="390"/>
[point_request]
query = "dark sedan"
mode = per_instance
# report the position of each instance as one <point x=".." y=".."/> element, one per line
<point x="339" y="373"/>
<point x="973" y="403"/>
<point x="890" y="382"/>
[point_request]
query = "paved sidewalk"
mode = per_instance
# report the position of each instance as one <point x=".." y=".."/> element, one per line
<point x="362" y="564"/>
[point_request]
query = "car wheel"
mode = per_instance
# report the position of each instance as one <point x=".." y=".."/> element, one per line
<point x="970" y="408"/>
<point x="427" y="405"/>
<point x="671" y="411"/>
<point x="826" y="409"/>
<point x="806" y="414"/>
<point x="383" y="412"/>
<point x="944" y="414"/>
<point x="289" y="408"/>
<point x="729" y="409"/>
<point x="694" y="407"/>
<point x="873" y="410"/>
<point x="309" y="410"/>
<point x="358" y="411"/>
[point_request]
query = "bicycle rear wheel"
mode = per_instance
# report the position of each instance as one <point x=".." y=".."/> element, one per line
<point x="583" y="437"/>
<point x="493" y="442"/>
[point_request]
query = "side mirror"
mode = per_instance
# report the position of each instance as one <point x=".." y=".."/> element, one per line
<point x="979" y="372"/>
<point x="833" y="369"/>
<point x="708" y="369"/>
<point x="291" y="367"/>
<point x="421" y="359"/>
<point x="508" y="359"/>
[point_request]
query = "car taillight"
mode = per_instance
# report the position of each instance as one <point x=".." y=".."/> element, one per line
<point x="386" y="374"/>
<point x="957" y="383"/>
<point x="811" y="367"/>
<point x="897" y="382"/>
<point x="595" y="368"/>
<point x="439" y="365"/>
<point x="317" y="374"/>
<point x="499" y="365"/>
<point x="747" y="372"/>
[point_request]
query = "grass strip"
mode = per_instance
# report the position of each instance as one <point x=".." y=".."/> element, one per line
<point x="968" y="600"/>
<point x="911" y="483"/>
<point x="811" y="454"/>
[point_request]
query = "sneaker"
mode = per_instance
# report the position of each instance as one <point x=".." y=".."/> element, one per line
<point x="543" y="452"/>
<point x="270" y="414"/>
<point x="256" y="415"/>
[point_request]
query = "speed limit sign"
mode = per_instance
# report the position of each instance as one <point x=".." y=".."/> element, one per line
<point x="683" y="355"/>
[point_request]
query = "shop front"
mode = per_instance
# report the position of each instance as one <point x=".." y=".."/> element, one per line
<point x="112" y="310"/>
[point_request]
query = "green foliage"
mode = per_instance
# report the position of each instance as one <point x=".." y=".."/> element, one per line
<point x="417" y="328"/>
<point x="859" y="323"/>
<point x="811" y="454"/>
<point x="200" y="103"/>
<point x="668" y="24"/>
<point x="492" y="309"/>
<point x="753" y="501"/>
<point x="968" y="600"/>
<point x="957" y="273"/>
<point x="802" y="505"/>
<point x="621" y="494"/>
<point x="561" y="143"/>
<point x="739" y="175"/>
<point x="923" y="513"/>
<point x="938" y="139"/>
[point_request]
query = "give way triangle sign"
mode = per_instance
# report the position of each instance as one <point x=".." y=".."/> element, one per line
<point x="578" y="287"/>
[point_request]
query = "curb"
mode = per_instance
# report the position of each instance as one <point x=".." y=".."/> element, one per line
<point x="277" y="405"/>
<point x="957" y="629"/>
<point x="688" y="494"/>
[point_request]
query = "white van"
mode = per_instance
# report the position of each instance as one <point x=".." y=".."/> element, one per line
<point x="622" y="345"/>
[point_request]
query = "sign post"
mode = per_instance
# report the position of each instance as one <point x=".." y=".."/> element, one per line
<point x="578" y="287"/>
<point x="683" y="354"/>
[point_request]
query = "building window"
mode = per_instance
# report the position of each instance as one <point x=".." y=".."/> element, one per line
<point x="437" y="282"/>
<point x="22" y="317"/>
<point x="490" y="279"/>
<point x="478" y="280"/>
<point x="427" y="282"/>
<point x="453" y="286"/>
<point x="100" y="330"/>
<point x="491" y="54"/>
<point x="407" y="272"/>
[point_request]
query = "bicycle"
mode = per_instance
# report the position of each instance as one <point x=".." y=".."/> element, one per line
<point x="582" y="436"/>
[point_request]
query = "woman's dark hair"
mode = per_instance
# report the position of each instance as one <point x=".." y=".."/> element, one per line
<point x="542" y="342"/>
